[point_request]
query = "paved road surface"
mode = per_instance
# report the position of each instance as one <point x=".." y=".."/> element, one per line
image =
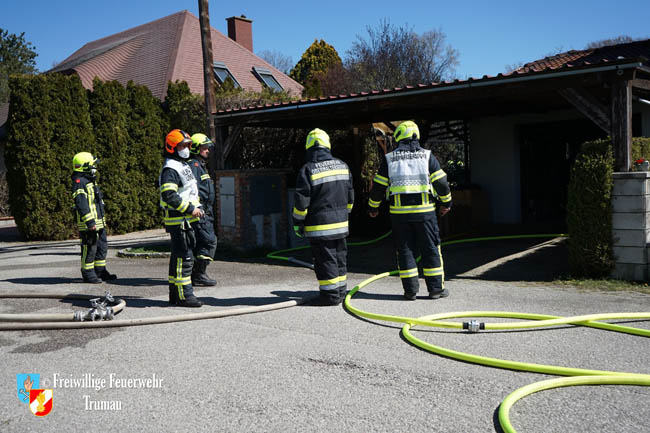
<point x="311" y="368"/>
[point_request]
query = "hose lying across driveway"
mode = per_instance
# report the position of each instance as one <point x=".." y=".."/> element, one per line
<point x="578" y="376"/>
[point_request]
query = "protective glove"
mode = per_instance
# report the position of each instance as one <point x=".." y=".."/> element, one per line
<point x="299" y="231"/>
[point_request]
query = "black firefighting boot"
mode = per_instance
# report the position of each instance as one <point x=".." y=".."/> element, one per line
<point x="173" y="294"/>
<point x="191" y="301"/>
<point x="199" y="276"/>
<point x="102" y="273"/>
<point x="89" y="276"/>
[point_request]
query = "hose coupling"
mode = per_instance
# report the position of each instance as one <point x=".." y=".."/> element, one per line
<point x="99" y="311"/>
<point x="473" y="326"/>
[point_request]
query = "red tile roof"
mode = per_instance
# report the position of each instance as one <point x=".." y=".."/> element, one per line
<point x="167" y="49"/>
<point x="611" y="53"/>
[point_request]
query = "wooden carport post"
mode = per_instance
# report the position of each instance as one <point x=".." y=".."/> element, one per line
<point x="208" y="88"/>
<point x="621" y="125"/>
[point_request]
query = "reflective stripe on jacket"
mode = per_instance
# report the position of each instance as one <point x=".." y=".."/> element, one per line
<point x="411" y="179"/>
<point x="88" y="203"/>
<point x="205" y="184"/>
<point x="179" y="194"/>
<point x="324" y="196"/>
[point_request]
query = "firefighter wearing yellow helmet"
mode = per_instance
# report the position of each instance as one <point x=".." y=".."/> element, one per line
<point x="411" y="179"/>
<point x="179" y="198"/>
<point x="89" y="215"/>
<point x="206" y="240"/>
<point x="323" y="199"/>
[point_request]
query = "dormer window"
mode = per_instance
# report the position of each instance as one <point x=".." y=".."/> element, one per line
<point x="222" y="73"/>
<point x="266" y="77"/>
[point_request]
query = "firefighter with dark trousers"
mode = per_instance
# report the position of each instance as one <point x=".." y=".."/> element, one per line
<point x="411" y="179"/>
<point x="323" y="199"/>
<point x="179" y="198"/>
<point x="206" y="240"/>
<point x="89" y="213"/>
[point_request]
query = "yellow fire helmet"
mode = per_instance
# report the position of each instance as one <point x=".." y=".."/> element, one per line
<point x="83" y="162"/>
<point x="199" y="140"/>
<point x="318" y="137"/>
<point x="406" y="130"/>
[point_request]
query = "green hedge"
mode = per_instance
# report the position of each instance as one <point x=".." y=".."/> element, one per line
<point x="589" y="211"/>
<point x="48" y="123"/>
<point x="589" y="208"/>
<point x="51" y="118"/>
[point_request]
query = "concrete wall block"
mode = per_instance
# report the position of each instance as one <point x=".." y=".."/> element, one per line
<point x="630" y="272"/>
<point x="633" y="183"/>
<point x="630" y="221"/>
<point x="631" y="238"/>
<point x="631" y="255"/>
<point x="631" y="203"/>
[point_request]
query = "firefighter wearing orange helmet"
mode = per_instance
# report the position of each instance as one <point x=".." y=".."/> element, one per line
<point x="179" y="198"/>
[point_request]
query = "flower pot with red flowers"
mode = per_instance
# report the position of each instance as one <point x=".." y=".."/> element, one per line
<point x="642" y="164"/>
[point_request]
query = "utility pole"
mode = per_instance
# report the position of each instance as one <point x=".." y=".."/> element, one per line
<point x="210" y="106"/>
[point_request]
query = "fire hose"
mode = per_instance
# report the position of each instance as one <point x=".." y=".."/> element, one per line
<point x="576" y="376"/>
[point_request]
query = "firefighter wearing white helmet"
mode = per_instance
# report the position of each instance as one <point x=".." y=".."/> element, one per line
<point x="179" y="198"/>
<point x="89" y="215"/>
<point x="411" y="179"/>
<point x="206" y="240"/>
<point x="323" y="199"/>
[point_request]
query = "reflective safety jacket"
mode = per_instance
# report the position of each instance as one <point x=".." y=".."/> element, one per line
<point x="324" y="196"/>
<point x="205" y="184"/>
<point x="179" y="194"/>
<point x="88" y="203"/>
<point x="411" y="179"/>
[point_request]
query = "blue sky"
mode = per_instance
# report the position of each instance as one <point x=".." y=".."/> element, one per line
<point x="489" y="35"/>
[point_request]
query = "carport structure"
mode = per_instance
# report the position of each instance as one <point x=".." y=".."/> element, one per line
<point x="603" y="92"/>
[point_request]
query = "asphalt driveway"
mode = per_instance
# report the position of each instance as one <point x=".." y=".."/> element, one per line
<point x="311" y="368"/>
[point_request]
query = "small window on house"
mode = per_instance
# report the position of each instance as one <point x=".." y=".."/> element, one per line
<point x="222" y="73"/>
<point x="267" y="78"/>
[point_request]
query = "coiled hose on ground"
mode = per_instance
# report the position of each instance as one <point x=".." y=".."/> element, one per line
<point x="577" y="376"/>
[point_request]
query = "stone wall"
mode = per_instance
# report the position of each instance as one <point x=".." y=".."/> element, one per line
<point x="631" y="225"/>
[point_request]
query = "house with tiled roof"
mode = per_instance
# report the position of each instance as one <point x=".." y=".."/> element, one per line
<point x="169" y="49"/>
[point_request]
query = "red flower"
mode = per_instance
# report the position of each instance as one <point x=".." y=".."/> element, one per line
<point x="639" y="161"/>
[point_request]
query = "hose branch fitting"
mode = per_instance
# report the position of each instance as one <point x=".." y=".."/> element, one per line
<point x="473" y="326"/>
<point x="100" y="310"/>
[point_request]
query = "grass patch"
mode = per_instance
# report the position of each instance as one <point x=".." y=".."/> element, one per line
<point x="605" y="285"/>
<point x="161" y="248"/>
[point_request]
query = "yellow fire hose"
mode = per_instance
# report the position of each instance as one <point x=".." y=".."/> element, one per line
<point x="577" y="376"/>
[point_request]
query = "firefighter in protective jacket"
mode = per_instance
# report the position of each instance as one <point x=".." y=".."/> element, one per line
<point x="411" y="179"/>
<point x="89" y="213"/>
<point x="206" y="240"/>
<point x="179" y="198"/>
<point x="323" y="199"/>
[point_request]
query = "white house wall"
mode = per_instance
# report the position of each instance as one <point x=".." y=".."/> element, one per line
<point x="495" y="164"/>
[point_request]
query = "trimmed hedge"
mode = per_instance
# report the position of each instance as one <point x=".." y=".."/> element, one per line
<point x="589" y="207"/>
<point x="51" y="118"/>
<point x="48" y="123"/>
<point x="589" y="211"/>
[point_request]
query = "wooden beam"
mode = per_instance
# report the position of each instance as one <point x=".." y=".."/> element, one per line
<point x="621" y="131"/>
<point x="232" y="140"/>
<point x="640" y="84"/>
<point x="588" y="105"/>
